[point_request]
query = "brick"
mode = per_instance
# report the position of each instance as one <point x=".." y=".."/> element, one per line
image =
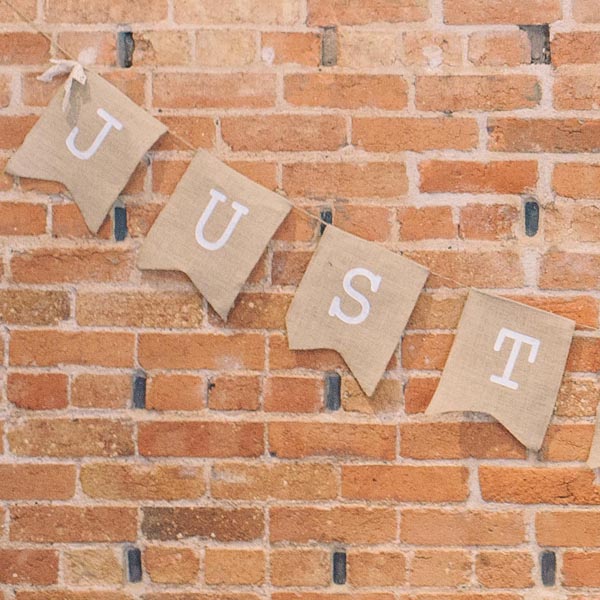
<point x="386" y="398"/>
<point x="26" y="7"/>
<point x="354" y="595"/>
<point x="14" y="129"/>
<point x="385" y="568"/>
<point x="36" y="482"/>
<point x="263" y="173"/>
<point x="504" y="569"/>
<point x="432" y="49"/>
<point x="139" y="309"/>
<point x="584" y="354"/>
<point x="232" y="48"/>
<point x="198" y="131"/>
<point x="405" y="483"/>
<point x="218" y="524"/>
<point x="568" y="528"/>
<point x="47" y="347"/>
<point x="437" y="310"/>
<point x="23" y="48"/>
<point x="458" y="440"/>
<point x="478" y="269"/>
<point x="499" y="49"/>
<point x="68" y="222"/>
<point x="96" y="11"/>
<point x="131" y="83"/>
<point x="198" y="596"/>
<point x="577" y="91"/>
<point x="63" y="523"/>
<point x="465" y="528"/>
<point x="581" y="309"/>
<point x="578" y="397"/>
<point x="162" y="48"/>
<point x="273" y="12"/>
<point x="44" y="391"/>
<point x="71" y="437"/>
<point x="171" y="564"/>
<point x="499" y="177"/>
<point x="103" y="45"/>
<point x="474" y="12"/>
<point x="232" y="566"/>
<point x="488" y="222"/>
<point x="544" y="135"/>
<point x="580" y="569"/>
<point x="373" y="223"/>
<point x="288" y="268"/>
<point x="279" y="47"/>
<point x="299" y="440"/>
<point x="98" y="566"/>
<point x="236" y="392"/>
<point x="295" y="566"/>
<point x="297" y="227"/>
<point x="6" y="180"/>
<point x="585" y="11"/>
<point x="426" y="352"/>
<point x="33" y="567"/>
<point x="101" y="391"/>
<point x="301" y="481"/>
<point x="166" y="174"/>
<point x="345" y="180"/>
<point x="200" y="438"/>
<point x="356" y="12"/>
<point x="141" y="482"/>
<point x="175" y="392"/>
<point x="575" y="47"/>
<point x="393" y="134"/>
<point x="284" y="133"/>
<point x="22" y="218"/>
<point x="428" y="222"/>
<point x="524" y="485"/>
<point x="575" y="180"/>
<point x="342" y="524"/>
<point x="202" y="90"/>
<point x="32" y="307"/>
<point x="364" y="49"/>
<point x="71" y="265"/>
<point x="140" y="218"/>
<point x="477" y="92"/>
<point x="336" y="90"/>
<point x="439" y="568"/>
<point x="63" y="594"/>
<point x="281" y="357"/>
<point x="201" y="351"/>
<point x="418" y="393"/>
<point x="569" y="270"/>
<point x="293" y="395"/>
<point x="567" y="442"/>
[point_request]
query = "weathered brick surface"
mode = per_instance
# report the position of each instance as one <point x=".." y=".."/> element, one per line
<point x="422" y="125"/>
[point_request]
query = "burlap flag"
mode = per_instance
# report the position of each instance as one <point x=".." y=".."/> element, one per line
<point x="593" y="460"/>
<point x="92" y="148"/>
<point x="215" y="228"/>
<point x="507" y="360"/>
<point x="356" y="298"/>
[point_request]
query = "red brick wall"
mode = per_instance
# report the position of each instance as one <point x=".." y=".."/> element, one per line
<point x="422" y="125"/>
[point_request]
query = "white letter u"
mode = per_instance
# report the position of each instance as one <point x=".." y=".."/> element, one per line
<point x="86" y="154"/>
<point x="215" y="198"/>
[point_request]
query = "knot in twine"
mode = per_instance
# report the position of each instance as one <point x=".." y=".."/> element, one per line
<point x="60" y="67"/>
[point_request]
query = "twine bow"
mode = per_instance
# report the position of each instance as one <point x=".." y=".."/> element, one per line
<point x="60" y="67"/>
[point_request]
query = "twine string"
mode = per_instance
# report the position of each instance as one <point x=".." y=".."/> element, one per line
<point x="188" y="145"/>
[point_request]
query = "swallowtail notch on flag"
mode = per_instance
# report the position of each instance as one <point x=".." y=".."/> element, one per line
<point x="356" y="298"/>
<point x="215" y="228"/>
<point x="507" y="361"/>
<point x="90" y="138"/>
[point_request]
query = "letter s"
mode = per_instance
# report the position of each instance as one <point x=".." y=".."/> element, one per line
<point x="335" y="308"/>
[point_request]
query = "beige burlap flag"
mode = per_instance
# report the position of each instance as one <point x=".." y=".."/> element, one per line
<point x="507" y="360"/>
<point x="92" y="147"/>
<point x="215" y="229"/>
<point x="593" y="460"/>
<point x="356" y="298"/>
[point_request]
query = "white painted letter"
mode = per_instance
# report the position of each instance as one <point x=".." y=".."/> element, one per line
<point x="215" y="198"/>
<point x="85" y="154"/>
<point x="519" y="340"/>
<point x="335" y="308"/>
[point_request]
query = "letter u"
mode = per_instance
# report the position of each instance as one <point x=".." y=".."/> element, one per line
<point x="86" y="154"/>
<point x="215" y="198"/>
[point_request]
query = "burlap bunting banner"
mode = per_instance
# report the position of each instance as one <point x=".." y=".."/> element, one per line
<point x="92" y="148"/>
<point x="356" y="298"/>
<point x="507" y="361"/>
<point x="215" y="228"/>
